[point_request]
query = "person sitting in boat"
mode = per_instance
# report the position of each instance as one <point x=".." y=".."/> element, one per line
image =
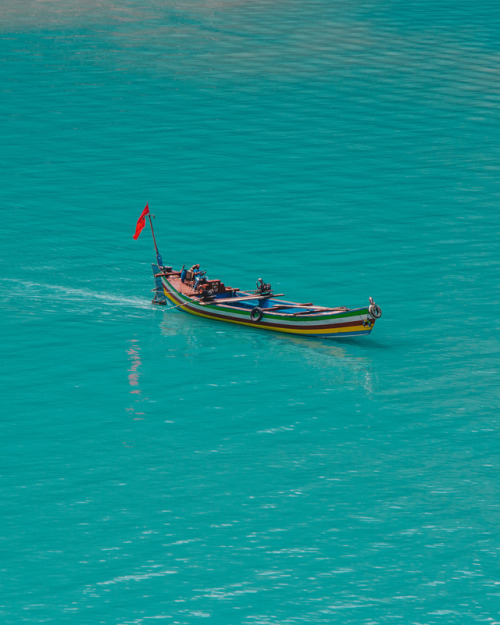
<point x="197" y="274"/>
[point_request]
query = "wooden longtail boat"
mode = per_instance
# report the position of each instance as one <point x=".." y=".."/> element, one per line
<point x="261" y="309"/>
<point x="193" y="293"/>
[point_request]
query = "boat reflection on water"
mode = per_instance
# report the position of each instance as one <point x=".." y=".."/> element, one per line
<point x="338" y="363"/>
<point x="133" y="376"/>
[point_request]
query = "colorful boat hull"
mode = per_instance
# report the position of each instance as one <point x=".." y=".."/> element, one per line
<point x="320" y="324"/>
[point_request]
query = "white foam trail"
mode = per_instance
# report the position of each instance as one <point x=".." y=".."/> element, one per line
<point x="74" y="294"/>
<point x="138" y="577"/>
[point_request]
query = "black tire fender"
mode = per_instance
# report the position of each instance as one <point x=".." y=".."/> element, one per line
<point x="375" y="311"/>
<point x="256" y="314"/>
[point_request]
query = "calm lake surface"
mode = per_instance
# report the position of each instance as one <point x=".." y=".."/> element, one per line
<point x="161" y="467"/>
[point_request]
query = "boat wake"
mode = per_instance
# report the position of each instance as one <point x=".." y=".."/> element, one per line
<point x="42" y="291"/>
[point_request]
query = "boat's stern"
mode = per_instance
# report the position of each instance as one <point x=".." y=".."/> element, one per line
<point x="159" y="294"/>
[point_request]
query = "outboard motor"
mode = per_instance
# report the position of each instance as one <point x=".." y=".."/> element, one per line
<point x="263" y="288"/>
<point x="206" y="292"/>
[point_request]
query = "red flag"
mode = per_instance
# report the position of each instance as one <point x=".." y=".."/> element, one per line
<point x="141" y="222"/>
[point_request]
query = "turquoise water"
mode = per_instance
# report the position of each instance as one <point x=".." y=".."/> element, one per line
<point x="157" y="466"/>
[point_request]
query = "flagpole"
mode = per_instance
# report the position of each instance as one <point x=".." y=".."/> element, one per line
<point x="153" y="233"/>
